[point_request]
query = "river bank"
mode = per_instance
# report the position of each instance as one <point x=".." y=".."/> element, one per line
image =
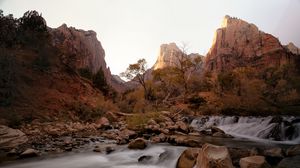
<point x="279" y="133"/>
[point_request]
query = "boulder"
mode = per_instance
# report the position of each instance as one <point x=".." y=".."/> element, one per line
<point x="29" y="153"/>
<point x="274" y="155"/>
<point x="107" y="148"/>
<point x="293" y="151"/>
<point x="103" y="122"/>
<point x="214" y="156"/>
<point x="290" y="162"/>
<point x="216" y="129"/>
<point x="182" y="126"/>
<point x="188" y="158"/>
<point x="11" y="138"/>
<point x="254" y="162"/>
<point x="138" y="143"/>
<point x="145" y="158"/>
<point x="189" y="141"/>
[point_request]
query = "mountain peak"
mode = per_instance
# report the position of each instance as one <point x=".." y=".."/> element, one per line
<point x="166" y="56"/>
<point x="237" y="42"/>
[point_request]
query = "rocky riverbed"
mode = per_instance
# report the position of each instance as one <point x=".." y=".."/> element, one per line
<point x="106" y="139"/>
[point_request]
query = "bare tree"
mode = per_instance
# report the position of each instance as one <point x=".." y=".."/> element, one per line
<point x="136" y="72"/>
<point x="185" y="65"/>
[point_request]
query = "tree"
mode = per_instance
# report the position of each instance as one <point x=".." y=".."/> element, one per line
<point x="136" y="72"/>
<point x="100" y="82"/>
<point x="8" y="30"/>
<point x="33" y="28"/>
<point x="183" y="66"/>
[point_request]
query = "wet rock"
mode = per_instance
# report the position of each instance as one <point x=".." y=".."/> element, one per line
<point x="188" y="158"/>
<point x="276" y="119"/>
<point x="216" y="129"/>
<point x="182" y="126"/>
<point x="68" y="149"/>
<point x="29" y="153"/>
<point x="254" y="162"/>
<point x="163" y="156"/>
<point x="107" y="148"/>
<point x="11" y="138"/>
<point x="214" y="156"/>
<point x="12" y="152"/>
<point x="290" y="162"/>
<point x="194" y="134"/>
<point x="184" y="141"/>
<point x="293" y="151"/>
<point x="97" y="149"/>
<point x="237" y="153"/>
<point x="145" y="158"/>
<point x="155" y="139"/>
<point x="162" y="137"/>
<point x="274" y="155"/>
<point x="290" y="131"/>
<point x="138" y="143"/>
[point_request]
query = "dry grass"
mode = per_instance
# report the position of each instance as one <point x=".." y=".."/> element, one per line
<point x="138" y="120"/>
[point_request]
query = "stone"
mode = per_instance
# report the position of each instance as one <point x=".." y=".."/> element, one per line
<point x="214" y="156"/>
<point x="194" y="134"/>
<point x="273" y="155"/>
<point x="145" y="158"/>
<point x="182" y="126"/>
<point x="164" y="155"/>
<point x="107" y="148"/>
<point x="11" y="138"/>
<point x="138" y="143"/>
<point x="12" y="152"/>
<point x="290" y="162"/>
<point x="155" y="139"/>
<point x="254" y="162"/>
<point x="216" y="130"/>
<point x="188" y="158"/>
<point x="102" y="122"/>
<point x="183" y="140"/>
<point x="29" y="153"/>
<point x="293" y="151"/>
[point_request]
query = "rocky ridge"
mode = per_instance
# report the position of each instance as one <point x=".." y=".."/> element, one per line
<point x="238" y="44"/>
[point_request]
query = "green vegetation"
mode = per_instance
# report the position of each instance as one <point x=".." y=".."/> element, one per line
<point x="139" y="120"/>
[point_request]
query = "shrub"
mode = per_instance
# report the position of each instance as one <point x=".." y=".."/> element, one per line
<point x="85" y="112"/>
<point x="139" y="120"/>
<point x="86" y="73"/>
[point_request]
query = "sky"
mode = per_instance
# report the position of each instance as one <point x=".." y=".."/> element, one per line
<point x="133" y="29"/>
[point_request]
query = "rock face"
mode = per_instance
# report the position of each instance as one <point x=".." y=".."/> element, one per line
<point x="293" y="49"/>
<point x="10" y="138"/>
<point x="168" y="56"/>
<point x="214" y="156"/>
<point x="238" y="44"/>
<point x="81" y="48"/>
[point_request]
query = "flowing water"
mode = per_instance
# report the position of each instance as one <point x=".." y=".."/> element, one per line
<point x="157" y="156"/>
<point x="248" y="132"/>
<point x="285" y="130"/>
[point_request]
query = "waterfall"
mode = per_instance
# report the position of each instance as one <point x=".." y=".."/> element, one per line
<point x="280" y="129"/>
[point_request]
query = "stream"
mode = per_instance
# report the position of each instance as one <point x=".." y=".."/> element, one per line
<point x="248" y="132"/>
